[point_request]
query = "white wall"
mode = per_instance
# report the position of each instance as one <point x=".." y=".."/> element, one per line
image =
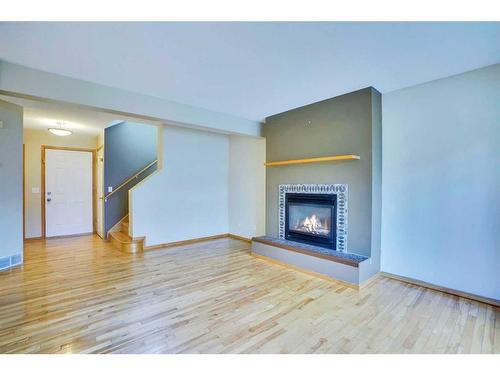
<point x="247" y="186"/>
<point x="209" y="184"/>
<point x="188" y="197"/>
<point x="441" y="182"/>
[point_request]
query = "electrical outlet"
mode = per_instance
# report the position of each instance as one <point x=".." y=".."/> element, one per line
<point x="110" y="189"/>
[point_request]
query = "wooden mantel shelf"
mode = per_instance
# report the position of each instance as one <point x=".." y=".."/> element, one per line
<point x="321" y="159"/>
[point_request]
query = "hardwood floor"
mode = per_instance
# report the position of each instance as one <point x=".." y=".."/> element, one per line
<point x="81" y="295"/>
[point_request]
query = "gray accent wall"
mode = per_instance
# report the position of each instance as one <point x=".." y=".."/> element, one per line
<point x="128" y="148"/>
<point x="347" y="124"/>
<point x="11" y="184"/>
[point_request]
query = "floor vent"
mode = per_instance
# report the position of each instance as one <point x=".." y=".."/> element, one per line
<point x="10" y="261"/>
<point x="4" y="262"/>
<point x="16" y="259"/>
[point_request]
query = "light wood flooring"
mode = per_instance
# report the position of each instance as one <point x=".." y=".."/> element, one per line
<point x="81" y="295"/>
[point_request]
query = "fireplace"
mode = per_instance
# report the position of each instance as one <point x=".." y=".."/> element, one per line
<point x="314" y="214"/>
<point x="311" y="219"/>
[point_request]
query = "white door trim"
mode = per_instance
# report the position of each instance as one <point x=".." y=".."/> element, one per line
<point x="99" y="199"/>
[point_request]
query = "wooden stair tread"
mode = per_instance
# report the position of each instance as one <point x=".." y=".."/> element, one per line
<point x="122" y="237"/>
<point x="122" y="241"/>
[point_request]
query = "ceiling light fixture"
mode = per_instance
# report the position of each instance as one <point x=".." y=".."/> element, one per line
<point x="61" y="131"/>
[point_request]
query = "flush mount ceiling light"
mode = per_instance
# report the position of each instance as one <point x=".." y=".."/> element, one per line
<point x="61" y="131"/>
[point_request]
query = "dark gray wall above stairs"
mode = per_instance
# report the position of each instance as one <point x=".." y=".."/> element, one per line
<point x="128" y="148"/>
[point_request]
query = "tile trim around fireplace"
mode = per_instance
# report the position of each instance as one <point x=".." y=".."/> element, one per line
<point x="341" y="190"/>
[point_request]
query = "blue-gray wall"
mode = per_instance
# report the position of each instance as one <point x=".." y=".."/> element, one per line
<point x="11" y="185"/>
<point x="441" y="182"/>
<point x="128" y="148"/>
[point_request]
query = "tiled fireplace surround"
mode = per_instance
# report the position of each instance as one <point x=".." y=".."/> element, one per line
<point x="340" y="190"/>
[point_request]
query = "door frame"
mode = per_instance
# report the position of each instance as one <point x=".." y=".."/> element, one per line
<point x="94" y="181"/>
<point x="100" y="194"/>
<point x="24" y="192"/>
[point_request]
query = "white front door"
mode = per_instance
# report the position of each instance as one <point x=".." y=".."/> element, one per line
<point x="68" y="192"/>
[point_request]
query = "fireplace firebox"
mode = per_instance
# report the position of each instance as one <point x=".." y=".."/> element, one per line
<point x="311" y="219"/>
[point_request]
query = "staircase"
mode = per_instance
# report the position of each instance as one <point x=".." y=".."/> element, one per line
<point x="130" y="157"/>
<point x="119" y="236"/>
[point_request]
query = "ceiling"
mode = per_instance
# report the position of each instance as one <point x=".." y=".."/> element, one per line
<point x="252" y="70"/>
<point x="43" y="115"/>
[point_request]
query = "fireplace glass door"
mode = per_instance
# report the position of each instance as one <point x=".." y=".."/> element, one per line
<point x="310" y="218"/>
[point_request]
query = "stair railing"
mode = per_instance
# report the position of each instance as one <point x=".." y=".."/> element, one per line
<point x="133" y="177"/>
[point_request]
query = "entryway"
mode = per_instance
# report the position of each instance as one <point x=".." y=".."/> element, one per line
<point x="63" y="190"/>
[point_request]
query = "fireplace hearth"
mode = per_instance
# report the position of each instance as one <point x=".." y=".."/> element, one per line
<point x="314" y="215"/>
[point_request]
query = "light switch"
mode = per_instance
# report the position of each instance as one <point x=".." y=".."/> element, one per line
<point x="1" y="124"/>
<point x="35" y="190"/>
